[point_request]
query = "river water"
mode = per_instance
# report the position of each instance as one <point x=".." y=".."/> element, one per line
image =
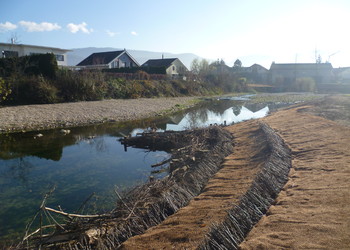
<point x="92" y="160"/>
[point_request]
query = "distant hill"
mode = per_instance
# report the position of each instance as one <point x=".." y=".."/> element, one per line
<point x="79" y="54"/>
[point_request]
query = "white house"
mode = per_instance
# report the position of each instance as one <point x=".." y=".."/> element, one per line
<point x="173" y="66"/>
<point x="110" y="59"/>
<point x="17" y="50"/>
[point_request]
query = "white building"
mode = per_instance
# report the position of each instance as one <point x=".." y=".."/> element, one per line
<point x="17" y="50"/>
<point x="173" y="66"/>
<point x="109" y="60"/>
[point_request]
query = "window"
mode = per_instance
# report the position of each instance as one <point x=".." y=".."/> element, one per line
<point x="173" y="68"/>
<point x="9" y="53"/>
<point x="60" y="58"/>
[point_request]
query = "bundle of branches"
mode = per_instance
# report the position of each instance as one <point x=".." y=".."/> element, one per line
<point x="255" y="202"/>
<point x="196" y="156"/>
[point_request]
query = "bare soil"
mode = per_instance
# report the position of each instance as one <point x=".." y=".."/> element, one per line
<point x="312" y="211"/>
<point x="46" y="116"/>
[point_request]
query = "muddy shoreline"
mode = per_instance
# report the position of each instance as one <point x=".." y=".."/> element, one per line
<point x="63" y="115"/>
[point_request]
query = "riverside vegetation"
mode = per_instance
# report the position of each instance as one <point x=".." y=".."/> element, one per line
<point x="37" y="79"/>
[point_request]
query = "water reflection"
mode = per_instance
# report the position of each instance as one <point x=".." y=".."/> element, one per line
<point x="208" y="117"/>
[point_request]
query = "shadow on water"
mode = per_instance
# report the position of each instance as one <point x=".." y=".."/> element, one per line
<point x="90" y="159"/>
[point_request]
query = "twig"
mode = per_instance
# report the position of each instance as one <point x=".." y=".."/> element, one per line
<point x="82" y="205"/>
<point x="161" y="163"/>
<point x="36" y="231"/>
<point x="76" y="215"/>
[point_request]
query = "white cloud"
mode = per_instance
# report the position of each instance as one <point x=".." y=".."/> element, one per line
<point x="7" y="26"/>
<point x="39" y="27"/>
<point x="74" y="28"/>
<point x="111" y="33"/>
<point x="134" y="33"/>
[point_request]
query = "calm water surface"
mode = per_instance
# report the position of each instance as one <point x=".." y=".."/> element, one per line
<point x="91" y="160"/>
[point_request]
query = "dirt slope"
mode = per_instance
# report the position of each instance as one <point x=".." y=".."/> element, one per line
<point x="187" y="228"/>
<point x="312" y="212"/>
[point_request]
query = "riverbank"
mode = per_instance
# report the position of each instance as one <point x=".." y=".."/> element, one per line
<point x="317" y="187"/>
<point x="312" y="209"/>
<point x="63" y="115"/>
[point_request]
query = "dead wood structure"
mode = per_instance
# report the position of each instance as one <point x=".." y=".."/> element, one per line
<point x="255" y="202"/>
<point x="196" y="155"/>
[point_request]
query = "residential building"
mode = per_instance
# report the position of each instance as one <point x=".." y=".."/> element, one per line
<point x="173" y="66"/>
<point x="256" y="72"/>
<point x="342" y="74"/>
<point x="109" y="60"/>
<point x="289" y="72"/>
<point x="17" y="50"/>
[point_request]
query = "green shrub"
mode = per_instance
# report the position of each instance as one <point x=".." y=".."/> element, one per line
<point x="40" y="64"/>
<point x="116" y="88"/>
<point x="81" y="86"/>
<point x="33" y="90"/>
<point x="5" y="90"/>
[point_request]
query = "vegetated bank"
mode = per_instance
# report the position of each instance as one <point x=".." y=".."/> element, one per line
<point x="37" y="79"/>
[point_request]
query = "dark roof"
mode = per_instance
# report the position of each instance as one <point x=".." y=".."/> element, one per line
<point x="255" y="65"/>
<point x="159" y="62"/>
<point x="300" y="66"/>
<point x="100" y="58"/>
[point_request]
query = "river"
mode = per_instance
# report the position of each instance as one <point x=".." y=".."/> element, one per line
<point x="91" y="160"/>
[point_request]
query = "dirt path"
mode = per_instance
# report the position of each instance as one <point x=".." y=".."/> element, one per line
<point x="187" y="228"/>
<point x="38" y="117"/>
<point x="312" y="212"/>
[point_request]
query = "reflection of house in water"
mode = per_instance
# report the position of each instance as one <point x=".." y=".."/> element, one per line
<point x="228" y="116"/>
<point x="175" y="119"/>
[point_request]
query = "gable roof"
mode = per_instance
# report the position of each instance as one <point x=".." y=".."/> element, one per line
<point x="159" y="62"/>
<point x="255" y="65"/>
<point x="100" y="58"/>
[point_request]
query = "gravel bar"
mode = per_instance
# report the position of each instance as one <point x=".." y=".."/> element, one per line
<point x="46" y="116"/>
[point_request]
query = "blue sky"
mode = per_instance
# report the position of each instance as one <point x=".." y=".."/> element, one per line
<point x="255" y="31"/>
